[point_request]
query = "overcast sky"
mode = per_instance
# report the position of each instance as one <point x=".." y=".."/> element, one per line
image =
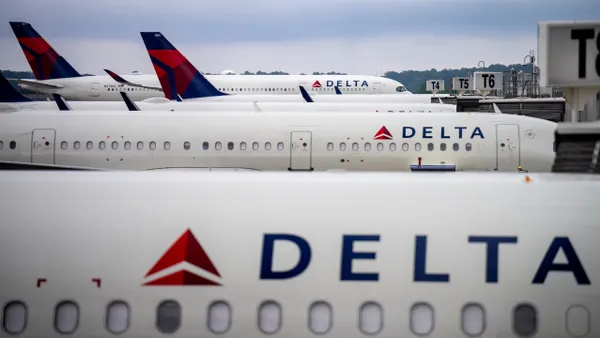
<point x="366" y="37"/>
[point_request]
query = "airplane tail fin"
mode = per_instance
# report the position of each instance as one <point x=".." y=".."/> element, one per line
<point x="8" y="93"/>
<point x="176" y="74"/>
<point x="44" y="61"/>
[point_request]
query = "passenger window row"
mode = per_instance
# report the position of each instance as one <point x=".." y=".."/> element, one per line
<point x="12" y="145"/>
<point x="392" y="146"/>
<point x="257" y="89"/>
<point x="89" y="145"/>
<point x="269" y="318"/>
<point x="130" y="89"/>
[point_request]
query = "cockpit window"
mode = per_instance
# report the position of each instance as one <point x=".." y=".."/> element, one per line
<point x="400" y="89"/>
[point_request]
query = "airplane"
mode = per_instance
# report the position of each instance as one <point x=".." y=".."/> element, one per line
<point x="56" y="75"/>
<point x="179" y="78"/>
<point x="195" y="254"/>
<point x="11" y="101"/>
<point x="296" y="141"/>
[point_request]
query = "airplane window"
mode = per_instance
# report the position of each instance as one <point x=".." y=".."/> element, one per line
<point x="393" y="146"/>
<point x="320" y="317"/>
<point x="400" y="89"/>
<point x="269" y="317"/>
<point x="89" y="145"/>
<point x="355" y="146"/>
<point x="255" y="146"/>
<point x="117" y="317"/>
<point x="468" y="147"/>
<point x="330" y="146"/>
<point x="417" y="146"/>
<point x="167" y="145"/>
<point x="63" y="145"/>
<point x="380" y="146"/>
<point x="578" y="321"/>
<point x="115" y="145"/>
<point x="127" y="145"/>
<point x="443" y="146"/>
<point x="430" y="146"/>
<point x="1" y="144"/>
<point x="76" y="145"/>
<point x="473" y="320"/>
<point x="12" y="145"/>
<point x="367" y="146"/>
<point x="140" y="145"/>
<point x="405" y="146"/>
<point x="243" y="146"/>
<point x="168" y="316"/>
<point x="66" y="317"/>
<point x="421" y="319"/>
<point x="218" y="146"/>
<point x="370" y="318"/>
<point x="268" y="146"/>
<point x="102" y="145"/>
<point x="342" y="146"/>
<point x="205" y="145"/>
<point x="219" y="317"/>
<point x="152" y="145"/>
<point x="14" y="318"/>
<point x="455" y="147"/>
<point x="280" y="146"/>
<point x="186" y="145"/>
<point x="524" y="320"/>
<point x="230" y="145"/>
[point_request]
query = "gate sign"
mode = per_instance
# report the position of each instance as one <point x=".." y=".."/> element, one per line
<point x="434" y="86"/>
<point x="461" y="84"/>
<point x="487" y="81"/>
<point x="569" y="53"/>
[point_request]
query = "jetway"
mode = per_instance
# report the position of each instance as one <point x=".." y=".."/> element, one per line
<point x="577" y="147"/>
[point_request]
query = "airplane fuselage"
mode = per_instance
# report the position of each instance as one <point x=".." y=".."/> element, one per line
<point x="188" y="254"/>
<point x="104" y="88"/>
<point x="278" y="140"/>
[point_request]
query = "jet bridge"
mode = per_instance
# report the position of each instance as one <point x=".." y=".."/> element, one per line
<point x="577" y="147"/>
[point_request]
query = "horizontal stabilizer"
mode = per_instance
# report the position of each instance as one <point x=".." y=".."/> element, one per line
<point x="35" y="83"/>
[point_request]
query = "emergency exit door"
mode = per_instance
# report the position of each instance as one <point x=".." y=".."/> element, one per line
<point x="95" y="92"/>
<point x="42" y="146"/>
<point x="508" y="153"/>
<point x="301" y="151"/>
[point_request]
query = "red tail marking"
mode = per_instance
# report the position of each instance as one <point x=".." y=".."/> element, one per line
<point x="383" y="134"/>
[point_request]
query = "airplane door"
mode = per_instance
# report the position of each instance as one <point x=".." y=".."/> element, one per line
<point x="95" y="92"/>
<point x="376" y="87"/>
<point x="301" y="151"/>
<point x="42" y="146"/>
<point x="508" y="154"/>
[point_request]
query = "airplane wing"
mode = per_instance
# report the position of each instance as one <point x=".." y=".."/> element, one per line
<point x="34" y="83"/>
<point x="121" y="80"/>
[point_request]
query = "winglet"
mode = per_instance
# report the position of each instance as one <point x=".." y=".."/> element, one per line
<point x="257" y="107"/>
<point x="130" y="104"/>
<point x="337" y="90"/>
<point x="496" y="109"/>
<point x="61" y="103"/>
<point x="8" y="93"/>
<point x="305" y="95"/>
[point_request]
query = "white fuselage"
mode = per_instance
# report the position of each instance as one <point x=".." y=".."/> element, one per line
<point x="104" y="88"/>
<point x="93" y="254"/>
<point x="192" y="105"/>
<point x="277" y="140"/>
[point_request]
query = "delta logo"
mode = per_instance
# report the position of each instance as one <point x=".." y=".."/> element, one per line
<point x="186" y="249"/>
<point x="383" y="134"/>
<point x="317" y="84"/>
